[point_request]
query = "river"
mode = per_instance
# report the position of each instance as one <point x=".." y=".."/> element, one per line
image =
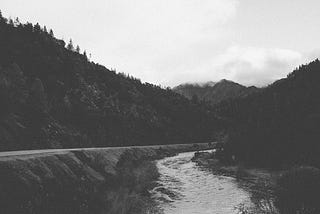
<point x="185" y="188"/>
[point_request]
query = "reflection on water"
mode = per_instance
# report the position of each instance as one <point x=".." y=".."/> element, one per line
<point x="185" y="188"/>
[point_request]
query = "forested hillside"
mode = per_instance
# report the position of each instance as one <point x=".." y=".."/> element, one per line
<point x="214" y="92"/>
<point x="52" y="96"/>
<point x="279" y="124"/>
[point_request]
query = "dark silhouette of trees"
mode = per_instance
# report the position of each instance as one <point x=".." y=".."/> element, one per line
<point x="51" y="33"/>
<point x="70" y="45"/>
<point x="279" y="124"/>
<point x="37" y="28"/>
<point x="85" y="55"/>
<point x="195" y="99"/>
<point x="78" y="49"/>
<point x="16" y="21"/>
<point x="11" y="21"/>
<point x="2" y="19"/>
<point x="298" y="190"/>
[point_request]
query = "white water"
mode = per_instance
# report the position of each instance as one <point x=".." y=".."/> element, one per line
<point x="184" y="188"/>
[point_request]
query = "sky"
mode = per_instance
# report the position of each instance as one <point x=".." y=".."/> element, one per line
<point x="169" y="42"/>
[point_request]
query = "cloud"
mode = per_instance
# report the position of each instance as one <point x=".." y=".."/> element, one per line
<point x="153" y="38"/>
<point x="176" y="41"/>
<point x="155" y="23"/>
<point x="256" y="66"/>
<point x="246" y="65"/>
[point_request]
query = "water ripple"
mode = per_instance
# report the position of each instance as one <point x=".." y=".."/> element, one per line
<point x="185" y="188"/>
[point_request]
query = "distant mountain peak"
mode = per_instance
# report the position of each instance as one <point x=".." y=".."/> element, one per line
<point x="197" y="84"/>
<point x="207" y="84"/>
<point x="225" y="80"/>
<point x="214" y="92"/>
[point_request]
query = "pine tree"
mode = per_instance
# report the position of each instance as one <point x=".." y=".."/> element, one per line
<point x="51" y="33"/>
<point x="17" y="21"/>
<point x="78" y="49"/>
<point x="45" y="29"/>
<point x="2" y="19"/>
<point x="28" y="27"/>
<point x="70" y="45"/>
<point x="85" y="55"/>
<point x="37" y="28"/>
<point x="11" y="21"/>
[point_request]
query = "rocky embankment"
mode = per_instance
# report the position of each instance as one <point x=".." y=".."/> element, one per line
<point x="96" y="180"/>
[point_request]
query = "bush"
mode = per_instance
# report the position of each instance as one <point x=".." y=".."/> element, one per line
<point x="299" y="191"/>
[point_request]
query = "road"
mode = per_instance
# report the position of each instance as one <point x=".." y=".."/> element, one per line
<point x="59" y="151"/>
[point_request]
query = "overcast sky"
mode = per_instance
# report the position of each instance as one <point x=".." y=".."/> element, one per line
<point x="169" y="42"/>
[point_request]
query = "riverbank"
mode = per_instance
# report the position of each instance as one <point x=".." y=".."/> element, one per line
<point x="82" y="181"/>
<point x="260" y="183"/>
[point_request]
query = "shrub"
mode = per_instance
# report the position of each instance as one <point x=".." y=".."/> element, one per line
<point x="299" y="191"/>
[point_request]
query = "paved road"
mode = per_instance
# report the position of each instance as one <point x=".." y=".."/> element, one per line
<point x="46" y="151"/>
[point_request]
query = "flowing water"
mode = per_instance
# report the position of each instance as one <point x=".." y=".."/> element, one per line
<point x="185" y="188"/>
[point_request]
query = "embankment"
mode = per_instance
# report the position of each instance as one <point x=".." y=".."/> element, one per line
<point x="95" y="180"/>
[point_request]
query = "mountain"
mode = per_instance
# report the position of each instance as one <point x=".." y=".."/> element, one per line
<point x="214" y="92"/>
<point x="52" y="96"/>
<point x="278" y="125"/>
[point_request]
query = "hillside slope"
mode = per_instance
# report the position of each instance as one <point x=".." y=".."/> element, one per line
<point x="54" y="97"/>
<point x="214" y="92"/>
<point x="279" y="124"/>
